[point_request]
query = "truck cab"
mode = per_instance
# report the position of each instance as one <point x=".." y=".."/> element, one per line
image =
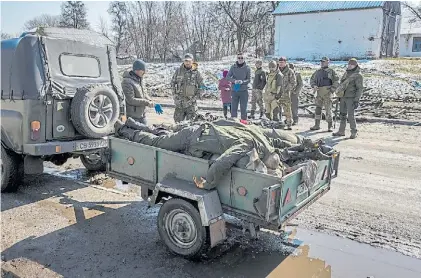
<point x="60" y="98"/>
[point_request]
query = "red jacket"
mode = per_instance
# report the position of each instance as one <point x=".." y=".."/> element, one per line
<point x="224" y="84"/>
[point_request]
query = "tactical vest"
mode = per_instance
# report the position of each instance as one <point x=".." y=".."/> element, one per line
<point x="186" y="82"/>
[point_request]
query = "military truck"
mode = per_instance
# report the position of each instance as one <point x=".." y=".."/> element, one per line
<point x="60" y="97"/>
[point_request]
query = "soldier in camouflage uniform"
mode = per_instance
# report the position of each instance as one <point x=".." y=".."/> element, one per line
<point x="273" y="90"/>
<point x="324" y="81"/>
<point x="289" y="84"/>
<point x="295" y="95"/>
<point x="186" y="85"/>
<point x="259" y="83"/>
<point x="349" y="92"/>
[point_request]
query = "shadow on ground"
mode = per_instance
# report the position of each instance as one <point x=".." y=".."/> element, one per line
<point x="123" y="242"/>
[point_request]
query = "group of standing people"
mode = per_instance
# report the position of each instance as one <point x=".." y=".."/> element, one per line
<point x="275" y="93"/>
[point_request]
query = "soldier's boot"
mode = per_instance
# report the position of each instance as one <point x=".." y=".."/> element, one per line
<point x="341" y="131"/>
<point x="268" y="116"/>
<point x="329" y="126"/>
<point x="276" y="114"/>
<point x="261" y="114"/>
<point x="251" y="115"/>
<point x="316" y="125"/>
<point x="354" y="134"/>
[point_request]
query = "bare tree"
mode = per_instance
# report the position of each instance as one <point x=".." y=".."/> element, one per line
<point x="6" y="36"/>
<point x="44" y="20"/>
<point x="414" y="10"/>
<point x="103" y="27"/>
<point x="73" y="15"/>
<point x="118" y="12"/>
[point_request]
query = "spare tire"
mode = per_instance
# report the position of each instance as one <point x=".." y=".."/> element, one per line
<point x="94" y="111"/>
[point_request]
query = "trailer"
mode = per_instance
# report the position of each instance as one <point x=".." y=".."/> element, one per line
<point x="191" y="220"/>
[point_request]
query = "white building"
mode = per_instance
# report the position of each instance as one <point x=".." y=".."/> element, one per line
<point x="337" y="29"/>
<point x="410" y="42"/>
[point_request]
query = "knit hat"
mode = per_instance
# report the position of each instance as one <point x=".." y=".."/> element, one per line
<point x="224" y="73"/>
<point x="139" y="65"/>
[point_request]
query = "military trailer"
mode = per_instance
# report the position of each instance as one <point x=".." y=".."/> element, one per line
<point x="191" y="220"/>
<point x="60" y="97"/>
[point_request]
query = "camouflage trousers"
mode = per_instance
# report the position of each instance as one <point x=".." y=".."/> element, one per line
<point x="285" y="103"/>
<point x="185" y="110"/>
<point x="270" y="103"/>
<point x="323" y="99"/>
<point x="257" y="98"/>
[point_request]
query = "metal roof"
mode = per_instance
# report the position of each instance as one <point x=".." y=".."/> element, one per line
<point x="294" y="7"/>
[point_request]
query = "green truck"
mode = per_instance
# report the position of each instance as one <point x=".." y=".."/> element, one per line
<point x="191" y="220"/>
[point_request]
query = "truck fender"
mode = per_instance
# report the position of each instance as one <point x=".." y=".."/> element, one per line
<point x="207" y="202"/>
<point x="12" y="121"/>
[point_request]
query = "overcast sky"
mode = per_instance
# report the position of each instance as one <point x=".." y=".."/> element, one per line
<point x="14" y="14"/>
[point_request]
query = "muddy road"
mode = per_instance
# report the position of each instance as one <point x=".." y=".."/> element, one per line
<point x="55" y="227"/>
<point x="62" y="227"/>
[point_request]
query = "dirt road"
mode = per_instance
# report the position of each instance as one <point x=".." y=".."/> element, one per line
<point x="55" y="227"/>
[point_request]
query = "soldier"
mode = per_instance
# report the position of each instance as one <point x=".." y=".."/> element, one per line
<point x="259" y="82"/>
<point x="186" y="85"/>
<point x="324" y="81"/>
<point x="137" y="98"/>
<point x="295" y="95"/>
<point x="273" y="89"/>
<point x="289" y="84"/>
<point x="349" y="92"/>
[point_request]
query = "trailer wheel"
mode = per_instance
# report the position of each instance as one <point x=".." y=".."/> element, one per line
<point x="93" y="163"/>
<point x="180" y="227"/>
<point x="11" y="171"/>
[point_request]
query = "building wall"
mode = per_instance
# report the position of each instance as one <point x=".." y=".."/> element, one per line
<point x="338" y="35"/>
<point x="405" y="45"/>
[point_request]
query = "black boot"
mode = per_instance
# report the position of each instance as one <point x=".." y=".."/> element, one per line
<point x="251" y="115"/>
<point x="268" y="116"/>
<point x="261" y="114"/>
<point x="276" y="114"/>
<point x="316" y="125"/>
<point x="329" y="126"/>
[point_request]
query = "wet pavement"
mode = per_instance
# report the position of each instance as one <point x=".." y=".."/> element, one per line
<point x="56" y="227"/>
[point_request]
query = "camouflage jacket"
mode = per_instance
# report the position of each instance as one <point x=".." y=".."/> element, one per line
<point x="290" y="80"/>
<point x="299" y="85"/>
<point x="274" y="83"/>
<point x="352" y="84"/>
<point x="186" y="83"/>
<point x="331" y="74"/>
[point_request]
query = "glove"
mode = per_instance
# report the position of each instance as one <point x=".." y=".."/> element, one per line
<point x="158" y="109"/>
<point x="277" y="96"/>
<point x="356" y="104"/>
<point x="236" y="87"/>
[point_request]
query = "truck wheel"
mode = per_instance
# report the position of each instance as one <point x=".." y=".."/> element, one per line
<point x="93" y="164"/>
<point x="11" y="171"/>
<point x="94" y="111"/>
<point x="180" y="227"/>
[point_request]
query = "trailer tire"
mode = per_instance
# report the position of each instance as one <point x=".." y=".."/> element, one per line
<point x="93" y="165"/>
<point x="11" y="171"/>
<point x="180" y="227"/>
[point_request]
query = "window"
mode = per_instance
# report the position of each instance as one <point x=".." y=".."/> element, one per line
<point x="416" y="44"/>
<point x="79" y="65"/>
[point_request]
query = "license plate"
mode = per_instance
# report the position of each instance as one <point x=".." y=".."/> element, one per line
<point x="93" y="144"/>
